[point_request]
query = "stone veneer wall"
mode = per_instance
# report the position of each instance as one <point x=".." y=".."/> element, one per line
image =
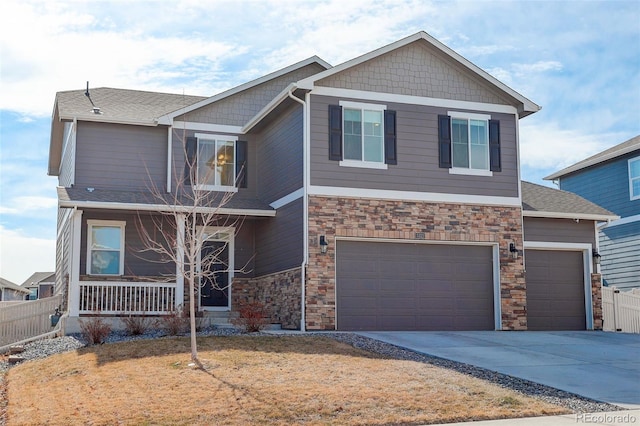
<point x="279" y="292"/>
<point x="596" y="300"/>
<point x="367" y="218"/>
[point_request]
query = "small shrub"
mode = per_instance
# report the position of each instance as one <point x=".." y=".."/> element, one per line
<point x="95" y="330"/>
<point x="175" y="322"/>
<point x="252" y="317"/>
<point x="136" y="325"/>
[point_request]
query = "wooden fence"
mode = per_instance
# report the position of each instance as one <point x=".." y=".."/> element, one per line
<point x="620" y="310"/>
<point x="26" y="321"/>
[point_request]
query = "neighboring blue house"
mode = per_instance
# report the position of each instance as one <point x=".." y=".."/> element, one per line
<point x="612" y="180"/>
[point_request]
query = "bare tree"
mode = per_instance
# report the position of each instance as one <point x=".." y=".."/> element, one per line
<point x="179" y="232"/>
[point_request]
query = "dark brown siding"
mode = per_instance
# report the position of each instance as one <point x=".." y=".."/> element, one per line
<point x="559" y="230"/>
<point x="417" y="150"/>
<point x="116" y="156"/>
<point x="555" y="290"/>
<point x="401" y="286"/>
<point x="279" y="240"/>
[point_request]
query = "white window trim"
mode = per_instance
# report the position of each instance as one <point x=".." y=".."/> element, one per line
<point x="631" y="197"/>
<point x="111" y="223"/>
<point x="215" y="138"/>
<point x="363" y="163"/>
<point x="469" y="170"/>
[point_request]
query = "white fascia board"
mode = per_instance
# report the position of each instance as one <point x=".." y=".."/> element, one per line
<point x="163" y="208"/>
<point x="413" y="100"/>
<point x="562" y="215"/>
<point x="168" y="118"/>
<point x="584" y="164"/>
<point x="621" y="221"/>
<point x="309" y="82"/>
<point x="206" y="127"/>
<point x="433" y="197"/>
<point x="295" y="195"/>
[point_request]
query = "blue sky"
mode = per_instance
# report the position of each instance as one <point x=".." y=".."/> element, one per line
<point x="579" y="60"/>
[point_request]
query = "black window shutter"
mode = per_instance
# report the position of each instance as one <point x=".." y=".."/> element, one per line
<point x="335" y="132"/>
<point x="241" y="163"/>
<point x="495" y="164"/>
<point x="191" y="149"/>
<point x="444" y="141"/>
<point x="390" y="148"/>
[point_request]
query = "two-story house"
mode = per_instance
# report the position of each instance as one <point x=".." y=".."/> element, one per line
<point x="380" y="194"/>
<point x="611" y="179"/>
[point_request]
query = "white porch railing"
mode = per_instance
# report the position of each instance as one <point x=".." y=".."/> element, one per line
<point x="136" y="298"/>
<point x="25" y="321"/>
<point x="620" y="310"/>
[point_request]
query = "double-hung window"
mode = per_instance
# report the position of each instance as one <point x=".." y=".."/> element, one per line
<point x="216" y="162"/>
<point x="363" y="132"/>
<point x="634" y="178"/>
<point x="105" y="247"/>
<point x="362" y="135"/>
<point x="469" y="143"/>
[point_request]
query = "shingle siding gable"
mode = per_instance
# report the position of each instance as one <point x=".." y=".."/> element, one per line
<point x="414" y="70"/>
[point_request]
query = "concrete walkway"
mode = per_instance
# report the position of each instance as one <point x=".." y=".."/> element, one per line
<point x="598" y="365"/>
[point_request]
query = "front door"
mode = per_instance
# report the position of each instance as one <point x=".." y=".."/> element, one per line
<point x="214" y="283"/>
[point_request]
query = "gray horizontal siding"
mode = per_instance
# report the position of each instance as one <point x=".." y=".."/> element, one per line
<point x="620" y="250"/>
<point x="279" y="240"/>
<point x="417" y="149"/>
<point x="279" y="156"/>
<point x="115" y="156"/>
<point x="605" y="184"/>
<point x="559" y="230"/>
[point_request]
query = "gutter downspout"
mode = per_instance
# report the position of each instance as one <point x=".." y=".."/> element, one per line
<point x="305" y="198"/>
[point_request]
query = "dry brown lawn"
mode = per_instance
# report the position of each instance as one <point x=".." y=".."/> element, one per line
<point x="250" y="380"/>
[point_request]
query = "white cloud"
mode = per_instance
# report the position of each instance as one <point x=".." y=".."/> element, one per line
<point x="539" y="66"/>
<point x="28" y="205"/>
<point x="21" y="256"/>
<point x="549" y="146"/>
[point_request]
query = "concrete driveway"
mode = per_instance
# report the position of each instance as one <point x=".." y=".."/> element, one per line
<point x="598" y="365"/>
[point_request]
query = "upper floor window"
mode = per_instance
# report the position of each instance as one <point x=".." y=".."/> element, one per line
<point x="634" y="178"/>
<point x="105" y="247"/>
<point x="469" y="143"/>
<point x="362" y="135"/>
<point x="215" y="162"/>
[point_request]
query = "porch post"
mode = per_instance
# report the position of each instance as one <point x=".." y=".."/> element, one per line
<point x="74" y="275"/>
<point x="180" y="260"/>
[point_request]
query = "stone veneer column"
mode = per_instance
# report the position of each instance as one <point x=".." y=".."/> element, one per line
<point x="365" y="218"/>
<point x="596" y="300"/>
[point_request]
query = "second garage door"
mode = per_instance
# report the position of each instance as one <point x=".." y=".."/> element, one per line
<point x="555" y="290"/>
<point x="406" y="286"/>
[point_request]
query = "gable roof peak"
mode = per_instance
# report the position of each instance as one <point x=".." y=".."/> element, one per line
<point x="525" y="106"/>
<point x="615" y="151"/>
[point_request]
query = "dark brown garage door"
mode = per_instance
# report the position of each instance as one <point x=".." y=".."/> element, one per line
<point x="396" y="286"/>
<point x="555" y="290"/>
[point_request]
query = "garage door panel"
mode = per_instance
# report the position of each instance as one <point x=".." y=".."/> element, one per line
<point x="416" y="287"/>
<point x="555" y="290"/>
